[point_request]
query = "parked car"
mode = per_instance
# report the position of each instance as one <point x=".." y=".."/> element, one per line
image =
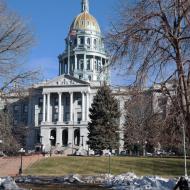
<point x="160" y="153"/>
<point x="123" y="153"/>
<point x="170" y="153"/>
<point x="149" y="154"/>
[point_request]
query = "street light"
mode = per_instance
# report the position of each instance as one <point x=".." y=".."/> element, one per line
<point x="184" y="150"/>
<point x="21" y="153"/>
<point x="51" y="139"/>
<point x="144" y="148"/>
<point x="1" y="142"/>
<point x="109" y="162"/>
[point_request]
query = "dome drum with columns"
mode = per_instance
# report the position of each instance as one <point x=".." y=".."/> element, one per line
<point x="85" y="57"/>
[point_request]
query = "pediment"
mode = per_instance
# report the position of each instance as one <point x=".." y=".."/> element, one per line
<point x="65" y="80"/>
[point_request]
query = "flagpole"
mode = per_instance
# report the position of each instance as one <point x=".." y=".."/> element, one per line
<point x="68" y="55"/>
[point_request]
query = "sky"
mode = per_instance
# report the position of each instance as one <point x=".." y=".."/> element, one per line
<point x="50" y="21"/>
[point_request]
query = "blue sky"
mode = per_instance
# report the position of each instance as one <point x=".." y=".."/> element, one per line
<point x="50" y="21"/>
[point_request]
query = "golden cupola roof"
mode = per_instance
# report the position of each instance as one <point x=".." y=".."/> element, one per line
<point x="85" y="21"/>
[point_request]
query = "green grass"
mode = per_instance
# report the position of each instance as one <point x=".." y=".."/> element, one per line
<point x="57" y="166"/>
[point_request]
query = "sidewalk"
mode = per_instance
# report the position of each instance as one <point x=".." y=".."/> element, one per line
<point x="9" y="166"/>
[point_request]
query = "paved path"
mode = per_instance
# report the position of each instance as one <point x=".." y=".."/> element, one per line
<point x="10" y="166"/>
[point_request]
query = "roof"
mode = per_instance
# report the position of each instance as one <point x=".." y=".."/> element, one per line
<point x="85" y="21"/>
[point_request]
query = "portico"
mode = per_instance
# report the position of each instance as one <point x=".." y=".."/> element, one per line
<point x="66" y="102"/>
<point x="56" y="109"/>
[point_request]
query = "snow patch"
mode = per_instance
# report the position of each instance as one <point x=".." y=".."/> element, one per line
<point x="130" y="181"/>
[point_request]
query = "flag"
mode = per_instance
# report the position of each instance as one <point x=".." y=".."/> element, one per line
<point x="73" y="33"/>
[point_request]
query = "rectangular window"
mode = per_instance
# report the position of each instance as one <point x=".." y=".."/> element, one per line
<point x="16" y="108"/>
<point x="25" y="108"/>
<point x="40" y="118"/>
<point x="79" y="101"/>
<point x="40" y="102"/>
<point x="67" y="100"/>
<point x="88" y="64"/>
<point x="56" y="101"/>
<point x="67" y="116"/>
<point x="79" y="116"/>
<point x="55" y="117"/>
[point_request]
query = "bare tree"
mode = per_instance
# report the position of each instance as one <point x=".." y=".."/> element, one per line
<point x="16" y="39"/>
<point x="141" y="124"/>
<point x="152" y="38"/>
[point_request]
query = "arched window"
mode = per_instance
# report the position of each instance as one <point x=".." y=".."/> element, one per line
<point x="88" y="41"/>
<point x="80" y="76"/>
<point x="95" y="65"/>
<point x="95" y="43"/>
<point x="53" y="135"/>
<point x="65" y="137"/>
<point x="81" y="40"/>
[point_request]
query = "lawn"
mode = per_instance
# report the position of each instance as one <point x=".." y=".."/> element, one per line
<point x="57" y="166"/>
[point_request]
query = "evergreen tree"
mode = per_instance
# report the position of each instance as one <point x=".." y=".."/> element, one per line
<point x="103" y="127"/>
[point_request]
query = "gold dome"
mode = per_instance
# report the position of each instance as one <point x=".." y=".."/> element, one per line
<point x="85" y="21"/>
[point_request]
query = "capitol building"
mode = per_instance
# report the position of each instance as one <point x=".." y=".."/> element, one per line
<point x="56" y="112"/>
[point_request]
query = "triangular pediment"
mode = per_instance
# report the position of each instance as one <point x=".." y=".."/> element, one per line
<point x="65" y="80"/>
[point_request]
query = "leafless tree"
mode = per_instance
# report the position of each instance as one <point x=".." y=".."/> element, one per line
<point x="16" y="39"/>
<point x="140" y="128"/>
<point x="152" y="38"/>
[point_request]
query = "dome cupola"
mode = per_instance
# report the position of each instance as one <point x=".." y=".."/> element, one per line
<point x="85" y="21"/>
<point x="85" y="57"/>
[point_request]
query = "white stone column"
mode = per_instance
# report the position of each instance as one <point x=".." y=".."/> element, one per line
<point x="48" y="107"/>
<point x="87" y="105"/>
<point x="91" y="43"/>
<point x="94" y="68"/>
<point x="85" y="61"/>
<point x="83" y="107"/>
<point x="75" y="62"/>
<point x="71" y="106"/>
<point x="58" y="137"/>
<point x="70" y="136"/>
<point x="60" y="107"/>
<point x="44" y="107"/>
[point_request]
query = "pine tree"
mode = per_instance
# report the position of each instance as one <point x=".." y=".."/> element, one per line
<point x="103" y="127"/>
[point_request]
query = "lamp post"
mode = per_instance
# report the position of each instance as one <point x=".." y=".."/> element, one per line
<point x="51" y="139"/>
<point x="138" y="148"/>
<point x="184" y="150"/>
<point x="144" y="148"/>
<point x="109" y="163"/>
<point x="21" y="153"/>
<point x="181" y="122"/>
<point x="1" y="142"/>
